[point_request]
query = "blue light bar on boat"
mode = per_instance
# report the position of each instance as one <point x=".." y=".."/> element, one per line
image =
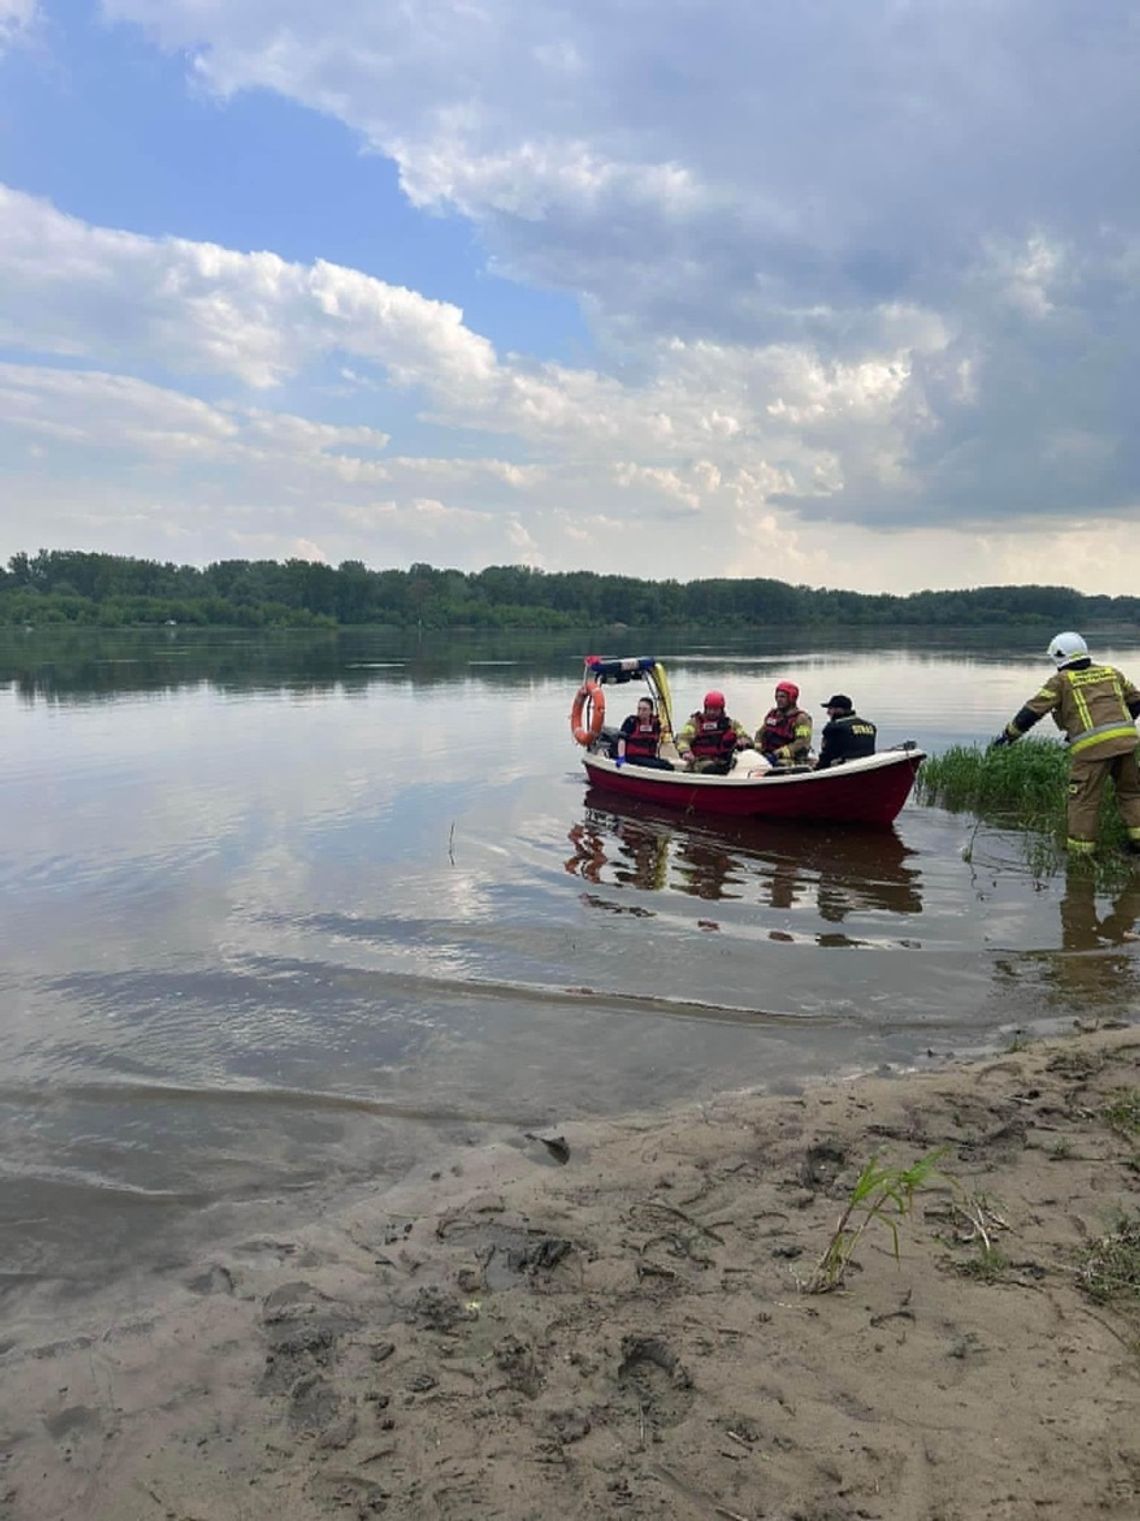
<point x="598" y="665"/>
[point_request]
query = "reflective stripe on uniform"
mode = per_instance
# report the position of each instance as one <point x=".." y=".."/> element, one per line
<point x="1091" y="734"/>
<point x="1079" y="697"/>
<point x="1100" y="734"/>
<point x="1080" y="847"/>
<point x="1094" y="674"/>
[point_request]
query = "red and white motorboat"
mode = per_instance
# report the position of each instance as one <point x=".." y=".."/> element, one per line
<point x="867" y="791"/>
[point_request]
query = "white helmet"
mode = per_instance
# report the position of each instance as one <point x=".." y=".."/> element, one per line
<point x="1066" y="648"/>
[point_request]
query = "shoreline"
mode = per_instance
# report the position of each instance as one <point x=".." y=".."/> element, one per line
<point x="507" y="1335"/>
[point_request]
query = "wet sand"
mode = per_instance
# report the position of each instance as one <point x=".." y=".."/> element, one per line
<point x="625" y="1332"/>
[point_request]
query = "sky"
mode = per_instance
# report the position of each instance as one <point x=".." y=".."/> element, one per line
<point x="844" y="294"/>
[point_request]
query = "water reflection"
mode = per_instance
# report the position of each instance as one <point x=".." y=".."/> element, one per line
<point x="80" y="665"/>
<point x="85" y="666"/>
<point x="830" y="874"/>
<point x="1097" y="969"/>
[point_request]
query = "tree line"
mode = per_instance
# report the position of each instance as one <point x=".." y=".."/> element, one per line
<point x="64" y="586"/>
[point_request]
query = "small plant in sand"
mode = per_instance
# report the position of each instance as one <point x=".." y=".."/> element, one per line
<point x="987" y="1267"/>
<point x="977" y="1220"/>
<point x="1122" y="1112"/>
<point x="1109" y="1268"/>
<point x="883" y="1194"/>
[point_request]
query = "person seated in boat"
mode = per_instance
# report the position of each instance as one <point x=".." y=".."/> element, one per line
<point x="845" y="736"/>
<point x="784" y="735"/>
<point x="709" y="740"/>
<point x="640" y="739"/>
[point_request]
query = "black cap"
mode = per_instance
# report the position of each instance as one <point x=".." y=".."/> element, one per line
<point x="839" y="701"/>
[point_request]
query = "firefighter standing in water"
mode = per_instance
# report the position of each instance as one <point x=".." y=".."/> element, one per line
<point x="784" y="736"/>
<point x="1096" y="707"/>
<point x="709" y="740"/>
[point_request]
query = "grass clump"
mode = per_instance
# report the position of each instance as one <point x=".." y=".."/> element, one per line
<point x="1122" y="1112"/>
<point x="885" y="1194"/>
<point x="1109" y="1268"/>
<point x="988" y="1266"/>
<point x="1022" y="786"/>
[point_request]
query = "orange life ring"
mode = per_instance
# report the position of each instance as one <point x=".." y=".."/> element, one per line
<point x="589" y="692"/>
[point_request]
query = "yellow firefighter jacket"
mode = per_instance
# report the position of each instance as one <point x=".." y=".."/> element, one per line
<point x="1095" y="706"/>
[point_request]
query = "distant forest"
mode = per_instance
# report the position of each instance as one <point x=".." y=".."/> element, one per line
<point x="74" y="587"/>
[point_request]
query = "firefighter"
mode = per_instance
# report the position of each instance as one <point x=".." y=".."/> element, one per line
<point x="784" y="736"/>
<point x="709" y="740"/>
<point x="845" y="736"/>
<point x="1096" y="707"/>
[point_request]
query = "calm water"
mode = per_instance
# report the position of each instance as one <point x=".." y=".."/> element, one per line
<point x="282" y="914"/>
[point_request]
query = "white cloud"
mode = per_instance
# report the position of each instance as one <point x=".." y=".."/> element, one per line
<point x="530" y="180"/>
<point x="1028" y="275"/>
<point x="120" y="413"/>
<point x="198" y="310"/>
<point x="826" y="133"/>
<point x="137" y="468"/>
<point x="760" y="451"/>
<point x="16" y="17"/>
<point x="930" y="210"/>
<point x="102" y="411"/>
<point x="72" y="289"/>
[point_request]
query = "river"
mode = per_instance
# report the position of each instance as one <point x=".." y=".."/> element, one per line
<point x="284" y="913"/>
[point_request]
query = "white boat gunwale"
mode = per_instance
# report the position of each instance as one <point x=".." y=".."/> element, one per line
<point x="770" y="780"/>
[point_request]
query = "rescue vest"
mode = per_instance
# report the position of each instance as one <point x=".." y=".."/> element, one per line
<point x="642" y="740"/>
<point x="778" y="728"/>
<point x="715" y="738"/>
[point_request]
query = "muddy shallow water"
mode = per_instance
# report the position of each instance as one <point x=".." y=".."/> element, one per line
<point x="280" y="914"/>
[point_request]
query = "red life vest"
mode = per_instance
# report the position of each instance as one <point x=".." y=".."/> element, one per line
<point x="778" y="728"/>
<point x="715" y="738"/>
<point x="643" y="739"/>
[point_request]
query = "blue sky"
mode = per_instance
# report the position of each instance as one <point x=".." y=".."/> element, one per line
<point x="846" y="295"/>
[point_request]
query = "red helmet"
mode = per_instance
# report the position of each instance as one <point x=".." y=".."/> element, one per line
<point x="790" y="687"/>
<point x="714" y="699"/>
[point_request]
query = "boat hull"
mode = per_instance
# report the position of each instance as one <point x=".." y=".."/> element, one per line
<point x="871" y="791"/>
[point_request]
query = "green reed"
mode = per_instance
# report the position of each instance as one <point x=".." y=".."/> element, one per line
<point x="1022" y="786"/>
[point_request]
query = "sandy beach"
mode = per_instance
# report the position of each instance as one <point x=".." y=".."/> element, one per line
<point x="623" y="1330"/>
